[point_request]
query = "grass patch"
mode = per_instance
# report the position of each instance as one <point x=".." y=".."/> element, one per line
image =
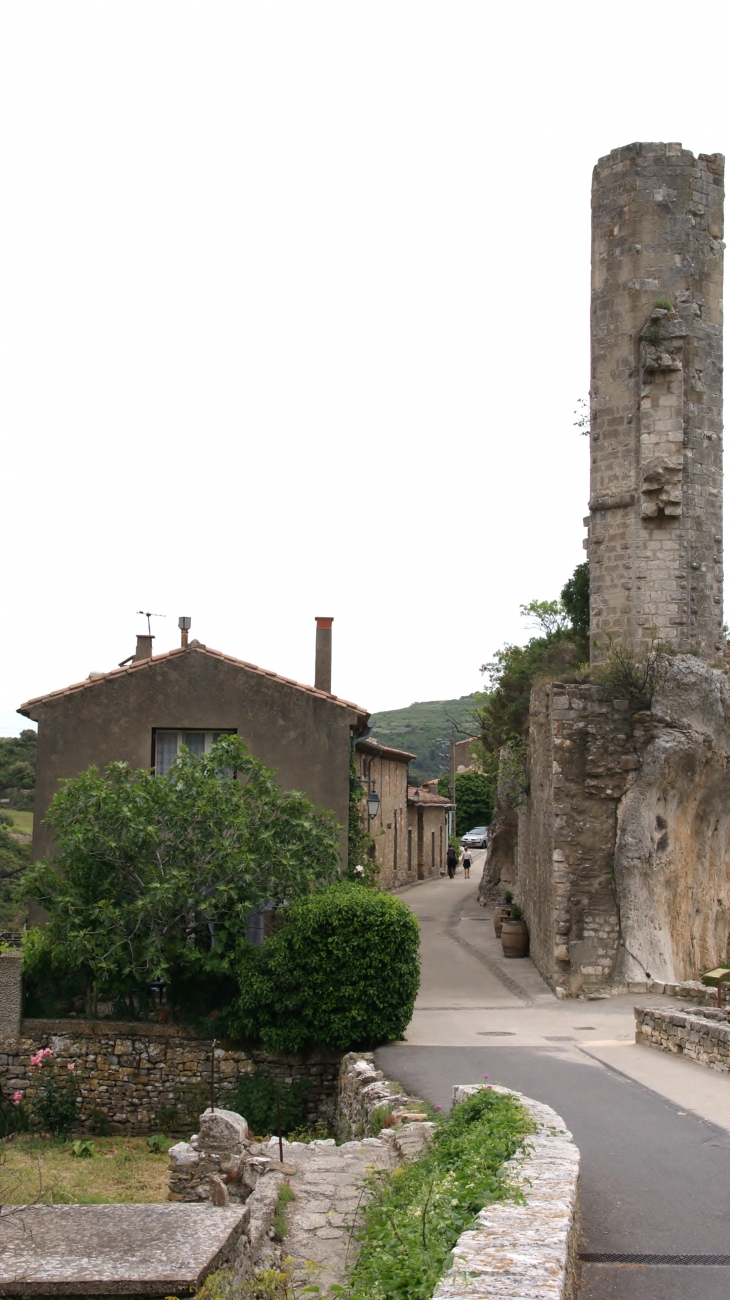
<point x="22" y="821"/>
<point x="417" y="1212"/>
<point x="117" y="1170"/>
<point x="284" y="1198"/>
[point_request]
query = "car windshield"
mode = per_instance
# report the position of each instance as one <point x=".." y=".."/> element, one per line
<point x="478" y="830"/>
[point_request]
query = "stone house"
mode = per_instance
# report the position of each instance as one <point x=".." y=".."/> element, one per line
<point x="429" y="821"/>
<point x="144" y="710"/>
<point x="410" y="830"/>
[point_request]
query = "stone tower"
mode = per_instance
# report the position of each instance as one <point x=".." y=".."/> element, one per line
<point x="655" y="523"/>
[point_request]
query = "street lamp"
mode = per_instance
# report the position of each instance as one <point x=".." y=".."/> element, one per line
<point x="373" y="803"/>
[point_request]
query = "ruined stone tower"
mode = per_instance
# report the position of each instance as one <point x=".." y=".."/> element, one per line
<point x="620" y="852"/>
<point x="655" y="523"/>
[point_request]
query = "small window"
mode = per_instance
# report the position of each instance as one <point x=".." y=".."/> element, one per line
<point x="166" y="745"/>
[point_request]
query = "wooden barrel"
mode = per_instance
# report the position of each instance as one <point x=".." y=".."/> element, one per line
<point x="500" y="914"/>
<point x="515" y="939"/>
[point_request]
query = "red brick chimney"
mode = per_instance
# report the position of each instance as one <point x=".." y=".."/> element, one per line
<point x="323" y="655"/>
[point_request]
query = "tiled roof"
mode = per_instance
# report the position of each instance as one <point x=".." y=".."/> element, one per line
<point x="370" y="746"/>
<point x="425" y="797"/>
<point x="144" y="665"/>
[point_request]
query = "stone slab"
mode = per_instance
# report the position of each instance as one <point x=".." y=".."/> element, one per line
<point x="113" y="1250"/>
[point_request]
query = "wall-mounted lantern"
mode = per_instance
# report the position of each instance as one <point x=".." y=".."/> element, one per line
<point x="373" y="803"/>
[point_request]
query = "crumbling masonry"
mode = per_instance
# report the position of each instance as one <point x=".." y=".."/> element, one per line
<point x="622" y="849"/>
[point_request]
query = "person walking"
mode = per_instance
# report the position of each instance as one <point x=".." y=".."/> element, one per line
<point x="466" y="864"/>
<point x="451" y="862"/>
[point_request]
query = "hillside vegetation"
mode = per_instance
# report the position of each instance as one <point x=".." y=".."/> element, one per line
<point x="17" y="768"/>
<point x="425" y="729"/>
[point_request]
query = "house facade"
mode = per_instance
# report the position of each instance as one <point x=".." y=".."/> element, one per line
<point x="410" y="829"/>
<point x="142" y="712"/>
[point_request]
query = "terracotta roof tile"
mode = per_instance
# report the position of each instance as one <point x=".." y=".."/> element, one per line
<point x="141" y="665"/>
<point x="425" y="797"/>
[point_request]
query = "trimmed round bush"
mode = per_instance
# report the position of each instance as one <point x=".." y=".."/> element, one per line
<point x="342" y="973"/>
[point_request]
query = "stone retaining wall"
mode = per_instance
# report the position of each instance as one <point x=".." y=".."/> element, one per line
<point x="147" y="1078"/>
<point x="703" y="1036"/>
<point x="515" y="1251"/>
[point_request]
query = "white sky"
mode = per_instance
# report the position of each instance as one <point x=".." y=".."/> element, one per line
<point x="294" y="317"/>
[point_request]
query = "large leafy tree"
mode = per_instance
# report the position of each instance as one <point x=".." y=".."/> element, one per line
<point x="155" y="877"/>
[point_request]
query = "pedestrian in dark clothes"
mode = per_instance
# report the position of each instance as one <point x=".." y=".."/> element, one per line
<point x="451" y="862"/>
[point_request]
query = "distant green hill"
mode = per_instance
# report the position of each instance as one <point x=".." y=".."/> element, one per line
<point x="425" y="729"/>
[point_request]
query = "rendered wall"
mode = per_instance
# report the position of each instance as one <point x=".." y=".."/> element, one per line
<point x="304" y="737"/>
<point x="655" y="524"/>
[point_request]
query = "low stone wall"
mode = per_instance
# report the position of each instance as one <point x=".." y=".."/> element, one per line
<point x="147" y="1078"/>
<point x="515" y="1251"/>
<point x="703" y="1036"/>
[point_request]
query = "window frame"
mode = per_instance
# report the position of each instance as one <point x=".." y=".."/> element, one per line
<point x="208" y="732"/>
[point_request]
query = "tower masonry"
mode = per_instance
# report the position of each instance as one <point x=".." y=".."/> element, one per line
<point x="655" y="522"/>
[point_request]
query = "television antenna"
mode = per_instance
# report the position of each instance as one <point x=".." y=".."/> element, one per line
<point x="148" y="615"/>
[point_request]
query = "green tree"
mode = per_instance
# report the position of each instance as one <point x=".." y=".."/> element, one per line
<point x="503" y="710"/>
<point x="576" y="601"/>
<point x="14" y="859"/>
<point x="155" y="876"/>
<point x="17" y="768"/>
<point x="474" y="799"/>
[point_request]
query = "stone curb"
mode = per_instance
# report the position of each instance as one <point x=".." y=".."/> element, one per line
<point x="523" y="1252"/>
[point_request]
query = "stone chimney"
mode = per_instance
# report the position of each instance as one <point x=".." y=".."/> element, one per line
<point x="144" y="648"/>
<point x="323" y="656"/>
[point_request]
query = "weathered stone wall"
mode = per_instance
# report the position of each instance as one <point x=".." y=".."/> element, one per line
<point x="515" y="1250"/>
<point x="147" y="1078"/>
<point x="703" y="1036"/>
<point x="582" y="756"/>
<point x="11" y="992"/>
<point x="655" y="535"/>
<point x="624" y="842"/>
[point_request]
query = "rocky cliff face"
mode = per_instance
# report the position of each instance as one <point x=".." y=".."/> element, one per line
<point x="623" y="845"/>
<point x="672" y="858"/>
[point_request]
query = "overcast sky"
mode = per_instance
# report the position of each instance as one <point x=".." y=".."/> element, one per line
<point x="294" y="310"/>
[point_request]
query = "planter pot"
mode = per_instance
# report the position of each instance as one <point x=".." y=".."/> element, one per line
<point x="500" y="915"/>
<point x="515" y="939"/>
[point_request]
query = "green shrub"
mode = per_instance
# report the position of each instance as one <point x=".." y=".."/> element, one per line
<point x="341" y="973"/>
<point x="54" y="1107"/>
<point x="83" y="1149"/>
<point x="158" y="1144"/>
<point x="256" y="1100"/>
<point x="417" y="1212"/>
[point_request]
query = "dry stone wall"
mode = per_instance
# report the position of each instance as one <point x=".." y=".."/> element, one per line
<point x="147" y="1078"/>
<point x="703" y="1036"/>
<point x="516" y="1251"/>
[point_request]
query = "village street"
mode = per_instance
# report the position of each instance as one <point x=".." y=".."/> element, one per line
<point x="653" y="1130"/>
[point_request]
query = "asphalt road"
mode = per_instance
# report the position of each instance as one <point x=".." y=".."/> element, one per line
<point x="654" y="1179"/>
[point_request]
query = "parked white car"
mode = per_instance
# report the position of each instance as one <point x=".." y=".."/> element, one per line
<point x="475" y="839"/>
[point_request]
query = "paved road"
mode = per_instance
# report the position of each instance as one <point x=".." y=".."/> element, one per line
<point x="655" y="1176"/>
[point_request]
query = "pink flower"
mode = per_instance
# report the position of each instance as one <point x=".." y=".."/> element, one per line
<point x="71" y="1066"/>
<point x="437" y="1108"/>
<point x="17" y="1098"/>
<point x="486" y="1076"/>
<point x="47" y="1051"/>
<point x="489" y="1087"/>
